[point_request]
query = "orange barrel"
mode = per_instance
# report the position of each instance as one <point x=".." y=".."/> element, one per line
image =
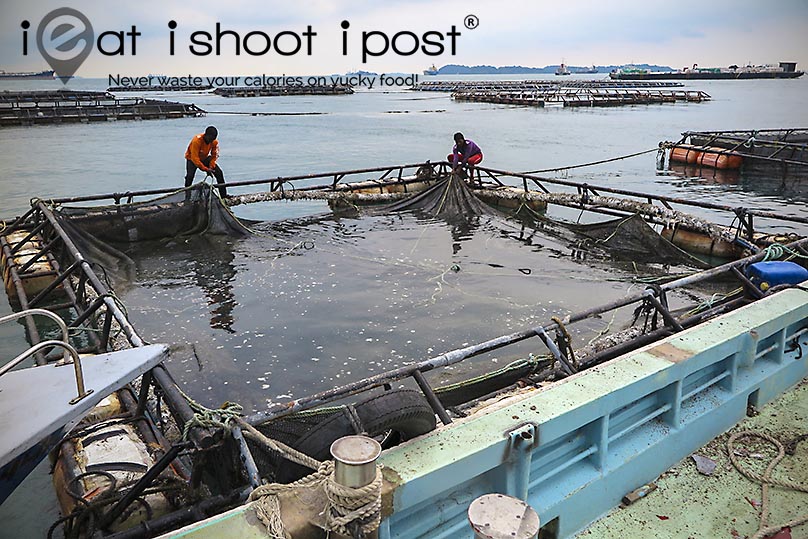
<point x="720" y="158"/>
<point x="684" y="153"/>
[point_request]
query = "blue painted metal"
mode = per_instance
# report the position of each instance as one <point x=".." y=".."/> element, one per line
<point x="15" y="472"/>
<point x="574" y="449"/>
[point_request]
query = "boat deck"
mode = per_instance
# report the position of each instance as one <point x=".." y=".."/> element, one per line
<point x="38" y="405"/>
<point x="690" y="504"/>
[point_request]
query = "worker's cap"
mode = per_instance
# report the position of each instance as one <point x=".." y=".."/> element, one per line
<point x="212" y="132"/>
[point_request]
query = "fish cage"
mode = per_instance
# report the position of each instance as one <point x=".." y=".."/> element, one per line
<point x="52" y="107"/>
<point x="281" y="90"/>
<point x="69" y="254"/>
<point x="766" y="152"/>
<point x="581" y="97"/>
<point x="534" y="85"/>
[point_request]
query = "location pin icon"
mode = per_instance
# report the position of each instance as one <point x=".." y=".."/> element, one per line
<point x="65" y="39"/>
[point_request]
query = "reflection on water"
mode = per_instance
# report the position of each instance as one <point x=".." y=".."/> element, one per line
<point x="318" y="302"/>
<point x="775" y="186"/>
<point x="712" y="175"/>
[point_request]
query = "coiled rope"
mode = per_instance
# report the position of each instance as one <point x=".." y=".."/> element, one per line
<point x="203" y="417"/>
<point x="347" y="509"/>
<point x="765" y="480"/>
<point x="776" y="251"/>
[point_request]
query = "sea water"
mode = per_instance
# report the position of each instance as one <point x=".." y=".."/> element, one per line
<point x="263" y="319"/>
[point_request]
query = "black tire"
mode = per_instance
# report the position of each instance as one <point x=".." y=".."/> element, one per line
<point x="405" y="412"/>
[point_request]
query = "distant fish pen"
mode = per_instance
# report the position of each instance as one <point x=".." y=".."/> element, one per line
<point x="272" y="91"/>
<point x="162" y="88"/>
<point x="782" y="152"/>
<point x="51" y="107"/>
<point x="515" y="85"/>
<point x="581" y="97"/>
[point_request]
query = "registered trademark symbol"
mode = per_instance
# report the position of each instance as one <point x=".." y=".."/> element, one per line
<point x="471" y="22"/>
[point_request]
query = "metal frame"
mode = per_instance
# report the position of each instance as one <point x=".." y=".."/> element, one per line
<point x="69" y="351"/>
<point x="42" y="217"/>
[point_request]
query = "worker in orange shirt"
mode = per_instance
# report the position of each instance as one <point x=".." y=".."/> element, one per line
<point x="202" y="153"/>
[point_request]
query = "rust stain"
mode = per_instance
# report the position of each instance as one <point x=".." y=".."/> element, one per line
<point x="671" y="353"/>
<point x="391" y="481"/>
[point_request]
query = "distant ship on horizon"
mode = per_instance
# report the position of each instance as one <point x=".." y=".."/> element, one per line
<point x="431" y="70"/>
<point x="785" y="70"/>
<point x="562" y="70"/>
<point x="589" y="70"/>
<point x="40" y="75"/>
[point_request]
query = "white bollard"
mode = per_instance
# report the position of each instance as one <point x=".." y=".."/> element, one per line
<point x="355" y="465"/>
<point x="497" y="516"/>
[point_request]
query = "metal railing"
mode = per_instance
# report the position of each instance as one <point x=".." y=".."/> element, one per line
<point x="69" y="350"/>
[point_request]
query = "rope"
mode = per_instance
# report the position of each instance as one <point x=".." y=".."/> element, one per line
<point x="765" y="480"/>
<point x="662" y="146"/>
<point x="776" y="251"/>
<point x="567" y="340"/>
<point x="288" y="452"/>
<point x="347" y="507"/>
<point x="204" y="417"/>
<point x="354" y="509"/>
<point x="347" y="511"/>
<point x="708" y="303"/>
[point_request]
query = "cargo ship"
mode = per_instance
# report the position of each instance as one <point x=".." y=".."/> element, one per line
<point x="431" y="70"/>
<point x="40" y="75"/>
<point x="785" y="70"/>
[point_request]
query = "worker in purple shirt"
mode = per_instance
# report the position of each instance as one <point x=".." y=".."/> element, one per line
<point x="464" y="154"/>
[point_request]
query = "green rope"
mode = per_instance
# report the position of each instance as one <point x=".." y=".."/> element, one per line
<point x="775" y="251"/>
<point x="224" y="417"/>
<point x="708" y="303"/>
<point x="531" y="360"/>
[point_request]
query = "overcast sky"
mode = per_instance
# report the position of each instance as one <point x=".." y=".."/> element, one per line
<point x="510" y="32"/>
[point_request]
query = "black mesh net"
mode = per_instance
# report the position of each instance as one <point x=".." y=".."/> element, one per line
<point x="194" y="210"/>
<point x="101" y="232"/>
<point x="632" y="238"/>
<point x="450" y="199"/>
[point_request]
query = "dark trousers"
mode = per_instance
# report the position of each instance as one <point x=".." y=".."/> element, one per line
<point x="190" y="172"/>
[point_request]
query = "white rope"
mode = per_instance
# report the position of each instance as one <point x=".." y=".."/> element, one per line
<point x="348" y="509"/>
<point x="765" y="480"/>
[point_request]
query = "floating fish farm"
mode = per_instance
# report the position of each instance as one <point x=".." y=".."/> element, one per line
<point x="770" y="152"/>
<point x="152" y="459"/>
<point x="581" y="97"/>
<point x="53" y="107"/>
<point x="515" y="85"/>
<point x="275" y="91"/>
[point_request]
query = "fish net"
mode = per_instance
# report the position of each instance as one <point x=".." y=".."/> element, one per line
<point x="631" y="238"/>
<point x="102" y="233"/>
<point x="105" y="234"/>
